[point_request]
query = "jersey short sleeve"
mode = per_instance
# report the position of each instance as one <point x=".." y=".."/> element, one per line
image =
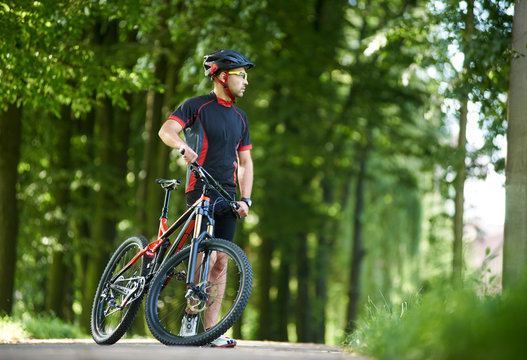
<point x="245" y="143"/>
<point x="185" y="114"/>
<point x="216" y="131"/>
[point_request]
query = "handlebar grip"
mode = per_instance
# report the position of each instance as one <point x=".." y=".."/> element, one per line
<point x="182" y="152"/>
<point x="235" y="207"/>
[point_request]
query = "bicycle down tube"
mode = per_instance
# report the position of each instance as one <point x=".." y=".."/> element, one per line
<point x="186" y="220"/>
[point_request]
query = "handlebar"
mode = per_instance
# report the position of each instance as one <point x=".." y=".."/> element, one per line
<point x="207" y="178"/>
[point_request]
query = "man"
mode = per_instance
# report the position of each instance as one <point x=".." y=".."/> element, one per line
<point x="217" y="136"/>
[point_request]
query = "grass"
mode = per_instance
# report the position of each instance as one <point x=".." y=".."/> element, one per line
<point x="37" y="327"/>
<point x="446" y="323"/>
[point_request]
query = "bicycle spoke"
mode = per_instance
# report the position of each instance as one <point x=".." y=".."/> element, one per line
<point x="217" y="299"/>
<point x="116" y="304"/>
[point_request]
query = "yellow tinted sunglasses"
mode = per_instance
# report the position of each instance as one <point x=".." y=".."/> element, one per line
<point x="243" y="74"/>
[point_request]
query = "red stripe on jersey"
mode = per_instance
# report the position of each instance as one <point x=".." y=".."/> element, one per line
<point x="245" y="148"/>
<point x="201" y="158"/>
<point x="235" y="169"/>
<point x="174" y="117"/>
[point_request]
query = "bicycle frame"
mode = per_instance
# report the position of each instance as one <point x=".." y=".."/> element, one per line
<point x="191" y="220"/>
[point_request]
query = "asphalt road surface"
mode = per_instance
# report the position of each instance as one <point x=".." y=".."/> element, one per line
<point x="153" y="350"/>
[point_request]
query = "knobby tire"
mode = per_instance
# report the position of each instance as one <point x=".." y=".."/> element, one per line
<point x="108" y="329"/>
<point x="166" y="303"/>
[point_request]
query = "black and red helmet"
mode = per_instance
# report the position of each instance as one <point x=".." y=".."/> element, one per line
<point x="224" y="59"/>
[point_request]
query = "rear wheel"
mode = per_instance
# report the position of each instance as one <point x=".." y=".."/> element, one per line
<point x="214" y="304"/>
<point x="116" y="303"/>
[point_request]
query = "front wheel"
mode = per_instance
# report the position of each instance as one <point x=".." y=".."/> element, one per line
<point x="116" y="302"/>
<point x="177" y="314"/>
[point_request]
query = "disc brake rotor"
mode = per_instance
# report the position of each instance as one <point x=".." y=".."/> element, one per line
<point x="201" y="300"/>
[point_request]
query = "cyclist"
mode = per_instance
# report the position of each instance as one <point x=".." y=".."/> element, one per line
<point x="216" y="134"/>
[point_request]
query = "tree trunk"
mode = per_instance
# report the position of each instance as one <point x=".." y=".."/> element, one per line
<point x="150" y="200"/>
<point x="58" y="288"/>
<point x="282" y="302"/>
<point x="10" y="138"/>
<point x="461" y="168"/>
<point x="515" y="242"/>
<point x="103" y="224"/>
<point x="459" y="200"/>
<point x="303" y="299"/>
<point x="358" y="250"/>
<point x="82" y="199"/>
<point x="102" y="236"/>
<point x="264" y="284"/>
<point x="322" y="265"/>
<point x="321" y="289"/>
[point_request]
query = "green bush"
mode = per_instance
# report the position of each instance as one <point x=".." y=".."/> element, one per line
<point x="47" y="327"/>
<point x="37" y="327"/>
<point x="446" y="323"/>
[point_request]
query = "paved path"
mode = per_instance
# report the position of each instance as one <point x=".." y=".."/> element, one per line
<point x="153" y="350"/>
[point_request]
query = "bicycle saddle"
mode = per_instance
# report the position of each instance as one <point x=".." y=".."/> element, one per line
<point x="174" y="183"/>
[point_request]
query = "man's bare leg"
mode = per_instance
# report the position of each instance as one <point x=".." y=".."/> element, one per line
<point x="218" y="276"/>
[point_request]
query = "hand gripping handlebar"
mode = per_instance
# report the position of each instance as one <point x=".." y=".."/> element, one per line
<point x="207" y="178"/>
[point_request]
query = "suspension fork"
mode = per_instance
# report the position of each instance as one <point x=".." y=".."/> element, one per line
<point x="199" y="236"/>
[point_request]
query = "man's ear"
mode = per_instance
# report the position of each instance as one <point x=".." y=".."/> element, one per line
<point x="222" y="76"/>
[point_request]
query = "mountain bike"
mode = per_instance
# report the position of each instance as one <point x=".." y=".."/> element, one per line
<point x="180" y="280"/>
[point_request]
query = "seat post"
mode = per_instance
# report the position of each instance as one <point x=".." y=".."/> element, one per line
<point x="164" y="213"/>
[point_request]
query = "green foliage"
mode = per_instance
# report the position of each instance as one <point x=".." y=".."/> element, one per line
<point x="46" y="327"/>
<point x="46" y="60"/>
<point x="38" y="327"/>
<point x="487" y="54"/>
<point x="445" y="323"/>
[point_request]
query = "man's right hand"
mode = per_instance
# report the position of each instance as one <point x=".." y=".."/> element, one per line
<point x="169" y="133"/>
<point x="188" y="154"/>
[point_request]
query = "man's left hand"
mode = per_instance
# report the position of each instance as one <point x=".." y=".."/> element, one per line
<point x="243" y="209"/>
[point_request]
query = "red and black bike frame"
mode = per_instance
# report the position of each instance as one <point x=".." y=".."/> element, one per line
<point x="162" y="248"/>
<point x="191" y="221"/>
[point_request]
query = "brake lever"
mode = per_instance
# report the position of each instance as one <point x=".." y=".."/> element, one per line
<point x="235" y="207"/>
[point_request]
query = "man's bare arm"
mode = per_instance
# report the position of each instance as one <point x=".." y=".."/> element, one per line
<point x="169" y="133"/>
<point x="245" y="179"/>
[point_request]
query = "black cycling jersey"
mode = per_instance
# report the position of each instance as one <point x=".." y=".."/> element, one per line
<point x="216" y="130"/>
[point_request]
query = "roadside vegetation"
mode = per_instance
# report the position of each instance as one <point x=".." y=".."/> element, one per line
<point x="446" y="323"/>
<point x="13" y="329"/>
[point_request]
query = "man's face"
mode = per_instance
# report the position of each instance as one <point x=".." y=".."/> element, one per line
<point x="237" y="82"/>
